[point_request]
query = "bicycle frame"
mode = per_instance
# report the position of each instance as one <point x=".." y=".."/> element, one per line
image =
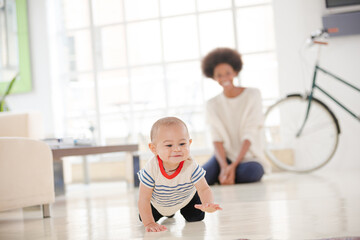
<point x="316" y="86"/>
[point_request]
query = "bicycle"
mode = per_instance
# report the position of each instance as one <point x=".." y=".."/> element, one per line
<point x="301" y="132"/>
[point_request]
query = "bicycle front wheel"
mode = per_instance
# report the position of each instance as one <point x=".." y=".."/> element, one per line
<point x="316" y="144"/>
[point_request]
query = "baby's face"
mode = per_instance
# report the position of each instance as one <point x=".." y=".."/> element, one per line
<point x="172" y="144"/>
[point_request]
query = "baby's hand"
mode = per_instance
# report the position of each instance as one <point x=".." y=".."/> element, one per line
<point x="208" y="207"/>
<point x="155" y="227"/>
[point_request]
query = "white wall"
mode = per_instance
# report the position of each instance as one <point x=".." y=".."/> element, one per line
<point x="40" y="98"/>
<point x="294" y="21"/>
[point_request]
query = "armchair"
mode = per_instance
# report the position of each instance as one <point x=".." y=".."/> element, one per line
<point x="21" y="124"/>
<point x="26" y="174"/>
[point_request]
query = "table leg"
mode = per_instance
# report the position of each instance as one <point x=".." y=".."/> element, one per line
<point x="86" y="170"/>
<point x="59" y="177"/>
<point x="136" y="164"/>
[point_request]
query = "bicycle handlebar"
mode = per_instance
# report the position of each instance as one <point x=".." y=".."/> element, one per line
<point x="318" y="36"/>
<point x="320" y="42"/>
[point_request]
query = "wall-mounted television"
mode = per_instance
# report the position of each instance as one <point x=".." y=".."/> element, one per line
<point x="341" y="3"/>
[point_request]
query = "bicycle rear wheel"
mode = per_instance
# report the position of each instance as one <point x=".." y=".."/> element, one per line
<point x="316" y="144"/>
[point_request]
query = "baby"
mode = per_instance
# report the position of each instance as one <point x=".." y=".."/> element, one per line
<point x="172" y="180"/>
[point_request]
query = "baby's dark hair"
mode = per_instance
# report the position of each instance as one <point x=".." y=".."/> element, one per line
<point x="218" y="56"/>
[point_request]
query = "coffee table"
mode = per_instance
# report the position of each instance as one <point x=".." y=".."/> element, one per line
<point x="65" y="151"/>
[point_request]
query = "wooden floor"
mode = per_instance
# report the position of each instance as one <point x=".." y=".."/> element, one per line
<point x="320" y="205"/>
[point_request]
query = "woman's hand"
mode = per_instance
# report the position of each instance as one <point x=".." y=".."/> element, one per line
<point x="155" y="227"/>
<point x="208" y="207"/>
<point x="227" y="175"/>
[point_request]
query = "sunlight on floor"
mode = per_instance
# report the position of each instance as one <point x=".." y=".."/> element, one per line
<point x="283" y="206"/>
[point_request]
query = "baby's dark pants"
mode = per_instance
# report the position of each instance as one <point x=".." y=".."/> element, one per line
<point x="189" y="212"/>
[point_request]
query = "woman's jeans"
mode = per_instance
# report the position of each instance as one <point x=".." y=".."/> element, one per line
<point x="246" y="172"/>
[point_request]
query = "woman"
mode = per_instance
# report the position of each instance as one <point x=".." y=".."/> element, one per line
<point x="235" y="118"/>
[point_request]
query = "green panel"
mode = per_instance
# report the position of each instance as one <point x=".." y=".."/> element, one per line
<point x="23" y="83"/>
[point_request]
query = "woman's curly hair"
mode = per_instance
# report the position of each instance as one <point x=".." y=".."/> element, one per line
<point x="218" y="56"/>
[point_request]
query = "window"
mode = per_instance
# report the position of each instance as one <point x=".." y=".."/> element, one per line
<point x="130" y="62"/>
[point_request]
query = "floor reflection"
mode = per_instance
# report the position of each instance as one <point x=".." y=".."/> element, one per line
<point x="283" y="206"/>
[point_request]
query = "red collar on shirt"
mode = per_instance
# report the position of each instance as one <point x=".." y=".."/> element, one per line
<point x="163" y="170"/>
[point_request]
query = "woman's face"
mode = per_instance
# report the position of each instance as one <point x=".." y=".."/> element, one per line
<point x="224" y="74"/>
